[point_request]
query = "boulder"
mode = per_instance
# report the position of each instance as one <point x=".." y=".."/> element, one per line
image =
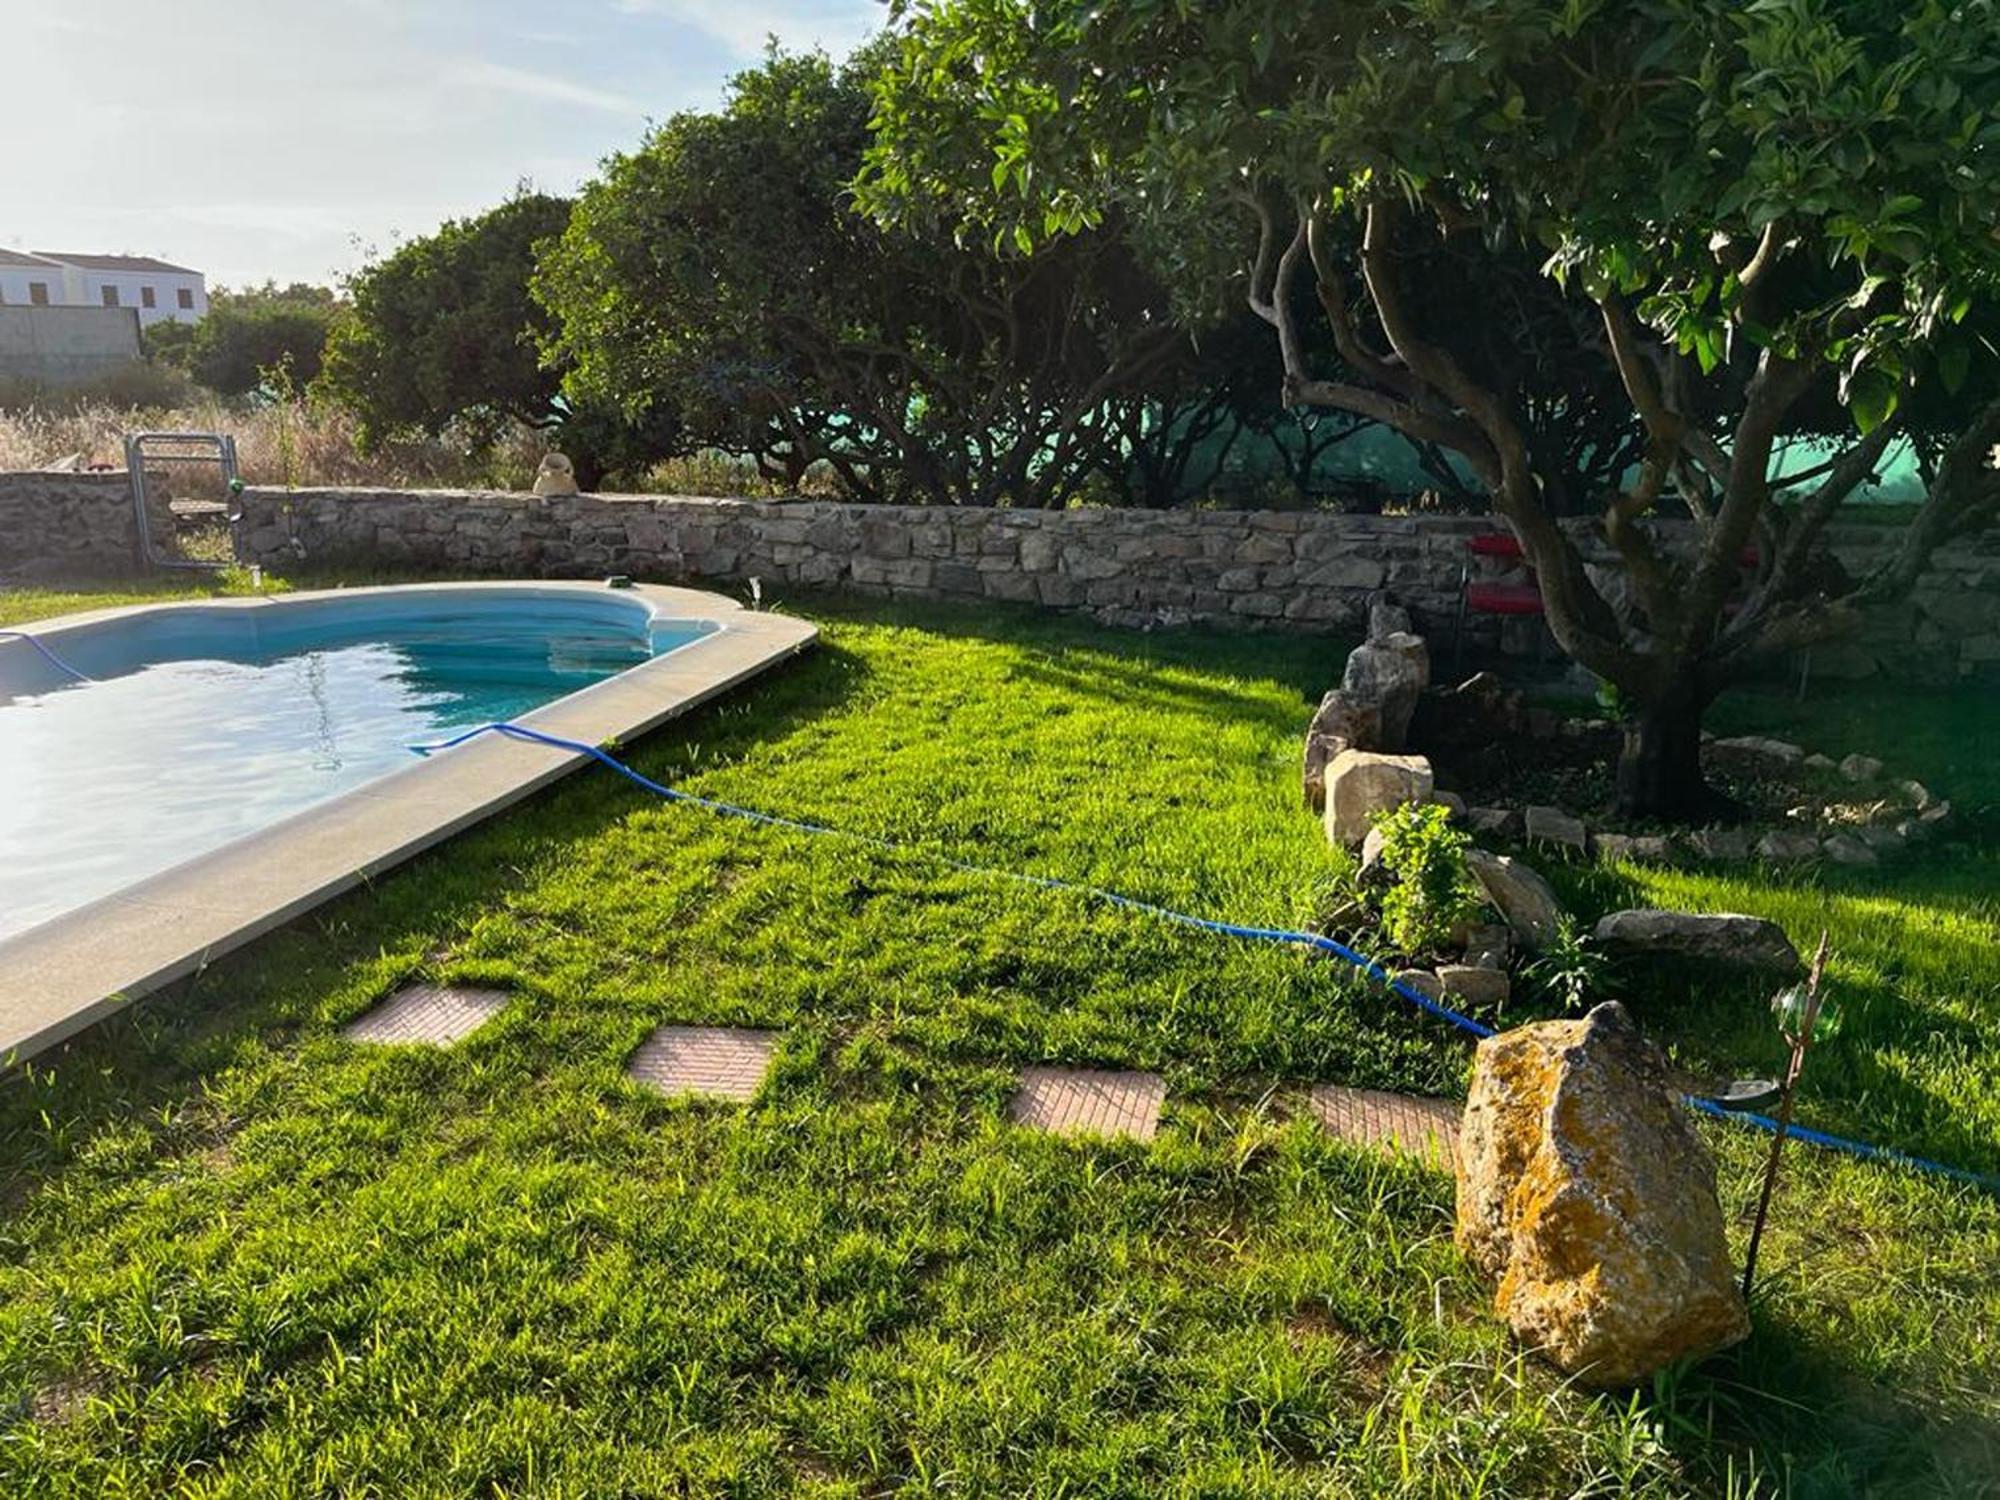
<point x="1387" y="617"/>
<point x="1487" y="945"/>
<point x="1521" y="897"/>
<point x="1756" y="753"/>
<point x="1781" y="847"/>
<point x="1551" y="825"/>
<point x="1387" y="676"/>
<point x="1883" y="837"/>
<point x="1725" y="937"/>
<point x="1371" y="856"/>
<point x="1475" y="984"/>
<point x="1720" y="843"/>
<point x="1584" y="1190"/>
<point x="1860" y="767"/>
<point x="1362" y="785"/>
<point x="1340" y="723"/>
<point x="1452" y="803"/>
<point x="1501" y="822"/>
<point x="1412" y="648"/>
<point x="1423" y="981"/>
<point x="1848" y="849"/>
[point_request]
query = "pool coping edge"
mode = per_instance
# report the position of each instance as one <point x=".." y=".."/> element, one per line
<point x="64" y="975"/>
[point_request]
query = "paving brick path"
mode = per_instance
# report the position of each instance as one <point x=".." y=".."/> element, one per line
<point x="1424" y="1128"/>
<point x="426" y="1014"/>
<point x="722" y="1062"/>
<point x="730" y="1062"/>
<point x="1082" y="1101"/>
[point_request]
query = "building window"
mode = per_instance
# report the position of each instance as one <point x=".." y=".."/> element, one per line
<point x="184" y="299"/>
<point x="38" y="293"/>
<point x="110" y="295"/>
<point x="145" y="296"/>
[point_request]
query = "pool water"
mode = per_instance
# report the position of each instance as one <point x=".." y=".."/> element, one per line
<point x="204" y="726"/>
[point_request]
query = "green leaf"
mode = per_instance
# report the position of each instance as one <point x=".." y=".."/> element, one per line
<point x="1872" y="395"/>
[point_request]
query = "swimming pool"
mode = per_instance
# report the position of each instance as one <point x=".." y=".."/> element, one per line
<point x="230" y="762"/>
<point x="203" y="724"/>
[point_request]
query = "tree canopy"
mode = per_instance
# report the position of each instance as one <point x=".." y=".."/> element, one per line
<point x="247" y="334"/>
<point x="1749" y="214"/>
<point x="721" y="271"/>
<point x="444" y="330"/>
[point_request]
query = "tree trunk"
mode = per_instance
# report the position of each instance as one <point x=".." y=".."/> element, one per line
<point x="1659" y="774"/>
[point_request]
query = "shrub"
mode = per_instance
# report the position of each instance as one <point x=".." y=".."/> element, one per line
<point x="1430" y="892"/>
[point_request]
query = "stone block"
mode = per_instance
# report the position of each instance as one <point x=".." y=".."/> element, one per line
<point x="1361" y="785"/>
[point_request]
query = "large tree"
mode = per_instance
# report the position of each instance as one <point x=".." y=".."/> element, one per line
<point x="444" y="330"/>
<point x="1751" y="214"/>
<point x="722" y="271"/>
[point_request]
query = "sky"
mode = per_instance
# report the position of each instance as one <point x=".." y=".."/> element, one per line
<point x="291" y="139"/>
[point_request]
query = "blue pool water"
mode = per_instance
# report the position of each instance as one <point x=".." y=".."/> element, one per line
<point x="204" y="725"/>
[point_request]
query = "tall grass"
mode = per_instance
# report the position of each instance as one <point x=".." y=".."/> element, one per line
<point x="307" y="442"/>
<point x="276" y="443"/>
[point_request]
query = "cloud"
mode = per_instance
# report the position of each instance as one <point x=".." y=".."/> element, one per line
<point x="527" y="83"/>
<point x="837" y="25"/>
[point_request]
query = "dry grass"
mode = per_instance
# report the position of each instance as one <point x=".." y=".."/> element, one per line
<point x="310" y="443"/>
<point x="281" y="443"/>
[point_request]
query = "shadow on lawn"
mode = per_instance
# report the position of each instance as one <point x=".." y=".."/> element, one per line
<point x="1825" y="1429"/>
<point x="152" y="1062"/>
<point x="1309" y="664"/>
<point x="1717" y="1020"/>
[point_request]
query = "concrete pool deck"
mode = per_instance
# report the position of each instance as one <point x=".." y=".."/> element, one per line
<point x="62" y="976"/>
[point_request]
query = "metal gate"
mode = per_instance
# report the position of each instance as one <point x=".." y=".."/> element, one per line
<point x="184" y="497"/>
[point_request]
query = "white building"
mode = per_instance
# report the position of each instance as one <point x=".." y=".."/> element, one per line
<point x="154" y="289"/>
<point x="29" y="281"/>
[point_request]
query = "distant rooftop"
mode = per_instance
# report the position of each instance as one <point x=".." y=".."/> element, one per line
<point x="115" y="262"/>
<point x="20" y="258"/>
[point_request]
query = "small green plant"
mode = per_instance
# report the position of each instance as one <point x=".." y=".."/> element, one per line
<point x="1805" y="1015"/>
<point x="286" y="403"/>
<point x="1429" y="892"/>
<point x="1613" y="699"/>
<point x="1570" y="967"/>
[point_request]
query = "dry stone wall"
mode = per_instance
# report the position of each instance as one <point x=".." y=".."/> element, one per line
<point x="1305" y="570"/>
<point x="1131" y="567"/>
<point x="55" y="525"/>
<point x="1310" y="570"/>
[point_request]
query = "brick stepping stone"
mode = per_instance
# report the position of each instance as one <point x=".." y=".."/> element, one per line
<point x="1085" y="1101"/>
<point x="427" y="1015"/>
<point x="719" y="1062"/>
<point x="1424" y="1128"/>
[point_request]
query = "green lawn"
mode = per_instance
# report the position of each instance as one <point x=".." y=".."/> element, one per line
<point x="239" y="1256"/>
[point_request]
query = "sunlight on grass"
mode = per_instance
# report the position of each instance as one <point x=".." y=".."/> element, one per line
<point x="240" y="1256"/>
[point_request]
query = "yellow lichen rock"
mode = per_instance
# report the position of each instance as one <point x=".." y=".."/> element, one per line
<point x="1583" y="1187"/>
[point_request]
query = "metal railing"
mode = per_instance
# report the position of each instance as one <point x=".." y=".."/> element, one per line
<point x="159" y="448"/>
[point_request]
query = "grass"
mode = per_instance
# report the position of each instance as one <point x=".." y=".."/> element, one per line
<point x="309" y="443"/>
<point x="239" y="1256"/>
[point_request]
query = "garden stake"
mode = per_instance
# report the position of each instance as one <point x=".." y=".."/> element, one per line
<point x="1800" y="1040"/>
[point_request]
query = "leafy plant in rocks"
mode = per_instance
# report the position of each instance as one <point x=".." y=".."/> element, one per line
<point x="1430" y="892"/>
<point x="1570" y="969"/>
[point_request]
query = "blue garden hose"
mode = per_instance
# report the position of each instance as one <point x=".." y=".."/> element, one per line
<point x="1863" y="1149"/>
